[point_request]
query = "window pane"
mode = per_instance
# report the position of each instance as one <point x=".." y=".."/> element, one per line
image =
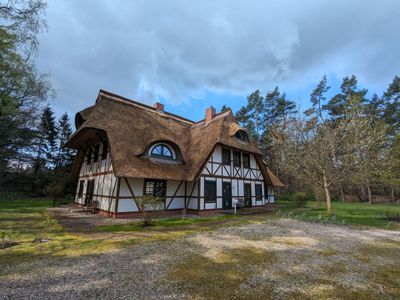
<point x="157" y="150"/>
<point x="167" y="152"/>
<point x="236" y="158"/>
<point x="246" y="160"/>
<point x="105" y="150"/>
<point x="258" y="191"/>
<point x="210" y="192"/>
<point x="96" y="153"/>
<point x="226" y="156"/>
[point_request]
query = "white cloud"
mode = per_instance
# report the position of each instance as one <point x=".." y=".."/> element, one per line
<point x="179" y="49"/>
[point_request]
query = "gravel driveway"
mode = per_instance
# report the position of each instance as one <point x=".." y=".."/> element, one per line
<point x="280" y="259"/>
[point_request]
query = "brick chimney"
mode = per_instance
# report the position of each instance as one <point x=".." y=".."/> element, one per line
<point x="210" y="113"/>
<point x="158" y="106"/>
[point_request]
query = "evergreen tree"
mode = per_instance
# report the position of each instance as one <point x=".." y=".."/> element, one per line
<point x="318" y="99"/>
<point x="348" y="102"/>
<point x="224" y="108"/>
<point x="392" y="106"/>
<point x="64" y="155"/>
<point x="46" y="140"/>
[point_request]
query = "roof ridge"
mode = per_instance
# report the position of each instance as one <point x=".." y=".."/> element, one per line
<point x="142" y="105"/>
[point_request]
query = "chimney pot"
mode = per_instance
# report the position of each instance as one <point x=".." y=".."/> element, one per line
<point x="158" y="106"/>
<point x="210" y="113"/>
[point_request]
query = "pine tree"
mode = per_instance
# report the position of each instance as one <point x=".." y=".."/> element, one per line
<point x="224" y="108"/>
<point x="347" y="103"/>
<point x="392" y="106"/>
<point x="46" y="141"/>
<point x="318" y="99"/>
<point x="64" y="155"/>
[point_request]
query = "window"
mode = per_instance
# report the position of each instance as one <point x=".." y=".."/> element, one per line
<point x="246" y="160"/>
<point x="89" y="191"/>
<point x="210" y="195"/>
<point x="226" y="156"/>
<point x="236" y="159"/>
<point x="105" y="150"/>
<point x="155" y="188"/>
<point x="89" y="156"/>
<point x="162" y="151"/>
<point x="258" y="190"/>
<point x="242" y="135"/>
<point x="96" y="152"/>
<point x="80" y="191"/>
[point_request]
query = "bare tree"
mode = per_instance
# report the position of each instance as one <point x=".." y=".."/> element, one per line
<point x="326" y="153"/>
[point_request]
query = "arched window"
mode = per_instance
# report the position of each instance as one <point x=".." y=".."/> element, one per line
<point x="242" y="135"/>
<point x="162" y="151"/>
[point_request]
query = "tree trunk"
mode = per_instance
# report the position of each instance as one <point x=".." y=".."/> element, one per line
<point x="342" y="195"/>
<point x="328" y="197"/>
<point x="369" y="193"/>
<point x="392" y="193"/>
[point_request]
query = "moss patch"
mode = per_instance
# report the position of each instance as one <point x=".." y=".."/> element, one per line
<point x="227" y="275"/>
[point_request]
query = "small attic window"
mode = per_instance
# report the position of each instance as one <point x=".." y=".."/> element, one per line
<point x="242" y="135"/>
<point x="162" y="151"/>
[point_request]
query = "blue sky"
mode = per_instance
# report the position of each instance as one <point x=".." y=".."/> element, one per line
<point x="193" y="54"/>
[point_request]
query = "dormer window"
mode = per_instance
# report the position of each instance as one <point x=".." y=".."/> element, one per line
<point x="162" y="151"/>
<point x="242" y="135"/>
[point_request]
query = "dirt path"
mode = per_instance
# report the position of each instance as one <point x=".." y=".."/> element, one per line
<point x="277" y="259"/>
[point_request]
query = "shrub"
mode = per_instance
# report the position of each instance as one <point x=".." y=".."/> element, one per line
<point x="299" y="198"/>
<point x="392" y="216"/>
<point x="46" y="227"/>
<point x="8" y="238"/>
<point x="151" y="208"/>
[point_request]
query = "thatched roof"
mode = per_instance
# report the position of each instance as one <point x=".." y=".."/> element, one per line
<point x="132" y="127"/>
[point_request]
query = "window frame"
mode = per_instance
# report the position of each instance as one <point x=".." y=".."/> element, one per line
<point x="224" y="161"/>
<point x="162" y="156"/>
<point x="237" y="163"/>
<point x="81" y="188"/>
<point x="258" y="196"/>
<point x="96" y="153"/>
<point x="155" y="183"/>
<point x="89" y="156"/>
<point x="242" y="136"/>
<point x="247" y="155"/>
<point x="213" y="198"/>
<point x="104" y="151"/>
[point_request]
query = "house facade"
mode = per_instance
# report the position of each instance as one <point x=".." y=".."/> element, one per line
<point x="127" y="149"/>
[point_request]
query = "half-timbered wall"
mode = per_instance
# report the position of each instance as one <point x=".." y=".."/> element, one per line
<point x="104" y="181"/>
<point x="175" y="194"/>
<point x="179" y="194"/>
<point x="215" y="170"/>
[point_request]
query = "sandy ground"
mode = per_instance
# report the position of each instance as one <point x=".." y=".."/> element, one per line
<point x="276" y="259"/>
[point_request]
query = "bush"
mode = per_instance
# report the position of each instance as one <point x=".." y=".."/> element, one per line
<point x="8" y="238"/>
<point x="299" y="198"/>
<point x="151" y="208"/>
<point x="392" y="216"/>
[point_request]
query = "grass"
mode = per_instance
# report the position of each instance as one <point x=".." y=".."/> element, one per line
<point x="27" y="216"/>
<point x="163" y="224"/>
<point x="221" y="277"/>
<point x="358" y="214"/>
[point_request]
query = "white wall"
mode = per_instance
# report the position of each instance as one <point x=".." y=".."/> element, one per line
<point x="214" y="170"/>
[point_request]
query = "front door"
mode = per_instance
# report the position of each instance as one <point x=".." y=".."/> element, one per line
<point x="226" y="195"/>
<point x="247" y="195"/>
<point x="89" y="192"/>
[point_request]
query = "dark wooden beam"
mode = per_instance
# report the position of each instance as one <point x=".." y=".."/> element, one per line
<point x="172" y="199"/>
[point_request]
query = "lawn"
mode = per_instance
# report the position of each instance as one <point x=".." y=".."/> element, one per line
<point x="357" y="214"/>
<point x="26" y="220"/>
<point x="252" y="256"/>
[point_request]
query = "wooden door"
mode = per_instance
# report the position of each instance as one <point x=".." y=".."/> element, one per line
<point x="247" y="195"/>
<point x="226" y="195"/>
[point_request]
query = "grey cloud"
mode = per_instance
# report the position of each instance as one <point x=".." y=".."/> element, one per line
<point x="179" y="49"/>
